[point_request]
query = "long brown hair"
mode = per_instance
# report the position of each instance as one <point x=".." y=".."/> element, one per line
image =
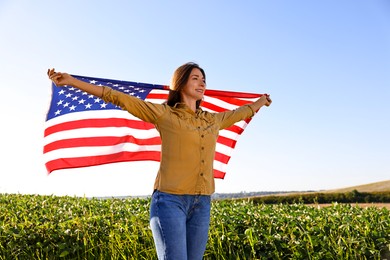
<point x="179" y="80"/>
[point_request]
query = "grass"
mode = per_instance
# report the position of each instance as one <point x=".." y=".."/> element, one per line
<point x="49" y="227"/>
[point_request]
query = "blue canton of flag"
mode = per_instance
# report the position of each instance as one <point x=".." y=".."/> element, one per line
<point x="67" y="100"/>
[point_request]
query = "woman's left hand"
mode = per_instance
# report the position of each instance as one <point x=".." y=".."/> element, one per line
<point x="265" y="100"/>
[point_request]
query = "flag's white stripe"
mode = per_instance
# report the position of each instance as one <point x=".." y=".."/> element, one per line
<point x="249" y="99"/>
<point x="242" y="124"/>
<point x="220" y="166"/>
<point x="214" y="111"/>
<point x="98" y="150"/>
<point x="223" y="104"/>
<point x="93" y="114"/>
<point x="101" y="132"/>
<point x="219" y="103"/>
<point x="155" y="100"/>
<point x="229" y="134"/>
<point x="159" y="91"/>
<point x="224" y="149"/>
<point x="213" y="100"/>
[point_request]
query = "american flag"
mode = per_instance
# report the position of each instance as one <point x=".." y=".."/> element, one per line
<point x="82" y="130"/>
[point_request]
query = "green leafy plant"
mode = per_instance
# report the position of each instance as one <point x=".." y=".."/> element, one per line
<point x="50" y="227"/>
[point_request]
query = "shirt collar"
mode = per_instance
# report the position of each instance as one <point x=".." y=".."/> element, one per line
<point x="187" y="108"/>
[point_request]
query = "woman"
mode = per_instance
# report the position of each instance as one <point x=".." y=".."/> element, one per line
<point x="180" y="205"/>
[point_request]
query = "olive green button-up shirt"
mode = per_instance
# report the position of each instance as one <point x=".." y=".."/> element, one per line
<point x="188" y="140"/>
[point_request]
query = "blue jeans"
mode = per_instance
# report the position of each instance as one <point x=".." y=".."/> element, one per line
<point x="180" y="225"/>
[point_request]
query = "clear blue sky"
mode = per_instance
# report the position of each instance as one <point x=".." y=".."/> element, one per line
<point x="326" y="65"/>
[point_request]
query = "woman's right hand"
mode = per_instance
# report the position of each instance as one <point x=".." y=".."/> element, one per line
<point x="58" y="78"/>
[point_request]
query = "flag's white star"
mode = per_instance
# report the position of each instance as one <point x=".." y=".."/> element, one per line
<point x="72" y="108"/>
<point x="88" y="106"/>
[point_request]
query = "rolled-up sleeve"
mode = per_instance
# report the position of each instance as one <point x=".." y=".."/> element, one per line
<point x="146" y="111"/>
<point x="228" y="118"/>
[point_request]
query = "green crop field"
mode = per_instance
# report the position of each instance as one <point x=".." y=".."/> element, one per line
<point x="50" y="227"/>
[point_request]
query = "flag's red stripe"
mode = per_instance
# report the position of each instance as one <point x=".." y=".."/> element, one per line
<point x="68" y="163"/>
<point x="222" y="93"/>
<point x="99" y="141"/>
<point x="98" y="122"/>
<point x="221" y="157"/>
<point x="157" y="96"/>
<point x="219" y="174"/>
<point x="226" y="141"/>
<point x="217" y="108"/>
<point x="234" y="101"/>
<point x="235" y="129"/>
<point x="212" y="106"/>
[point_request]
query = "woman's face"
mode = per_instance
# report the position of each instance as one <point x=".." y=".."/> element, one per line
<point x="196" y="85"/>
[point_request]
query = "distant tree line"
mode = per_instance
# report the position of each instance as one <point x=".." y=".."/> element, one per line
<point x="353" y="196"/>
<point x="244" y="194"/>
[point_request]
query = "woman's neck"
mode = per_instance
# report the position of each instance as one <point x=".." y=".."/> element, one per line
<point x="191" y="103"/>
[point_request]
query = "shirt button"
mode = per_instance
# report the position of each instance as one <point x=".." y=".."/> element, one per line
<point x="198" y="127"/>
<point x="202" y="161"/>
<point x="201" y="174"/>
<point x="202" y="136"/>
<point x="202" y="147"/>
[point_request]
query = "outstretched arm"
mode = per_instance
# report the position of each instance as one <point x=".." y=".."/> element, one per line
<point x="228" y="118"/>
<point x="62" y="79"/>
<point x="264" y="100"/>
